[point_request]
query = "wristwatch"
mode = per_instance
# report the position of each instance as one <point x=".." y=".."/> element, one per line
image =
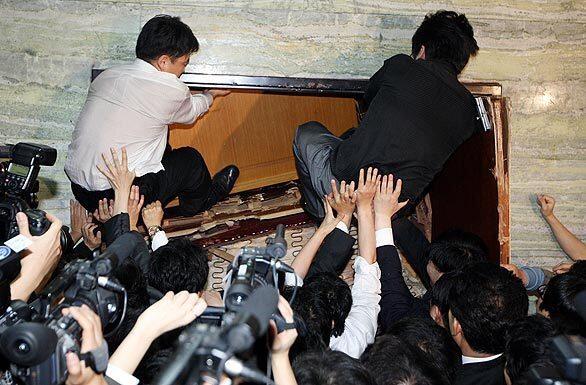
<point x="154" y="229"/>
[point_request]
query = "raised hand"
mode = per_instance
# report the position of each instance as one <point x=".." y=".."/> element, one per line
<point x="120" y="178"/>
<point x="41" y="257"/>
<point x="546" y="204"/>
<point x="135" y="202"/>
<point x="152" y="214"/>
<point x="91" y="338"/>
<point x="367" y="185"/>
<point x="330" y="221"/>
<point x="104" y="211"/>
<point x="283" y="341"/>
<point x="343" y="200"/>
<point x="386" y="200"/>
<point x="171" y="312"/>
<point x="91" y="240"/>
<point x="78" y="216"/>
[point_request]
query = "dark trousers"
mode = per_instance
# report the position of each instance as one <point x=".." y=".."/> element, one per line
<point x="185" y="176"/>
<point x="312" y="147"/>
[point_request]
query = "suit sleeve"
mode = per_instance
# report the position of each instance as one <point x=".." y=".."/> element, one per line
<point x="415" y="247"/>
<point x="396" y="299"/>
<point x="333" y="255"/>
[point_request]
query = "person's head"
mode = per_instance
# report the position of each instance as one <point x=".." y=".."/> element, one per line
<point x="392" y="361"/>
<point x="447" y="36"/>
<point x="578" y="268"/>
<point x="177" y="266"/>
<point x="439" y="303"/>
<point x="323" y="303"/>
<point x="527" y="344"/>
<point x="167" y="43"/>
<point x="330" y="368"/>
<point x="484" y="300"/>
<point x="452" y="250"/>
<point x="433" y="341"/>
<point x="558" y="303"/>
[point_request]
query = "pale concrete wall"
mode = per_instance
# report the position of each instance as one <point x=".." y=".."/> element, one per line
<point x="534" y="48"/>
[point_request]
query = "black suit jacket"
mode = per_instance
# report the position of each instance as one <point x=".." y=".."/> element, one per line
<point x="482" y="373"/>
<point x="419" y="114"/>
<point x="333" y="255"/>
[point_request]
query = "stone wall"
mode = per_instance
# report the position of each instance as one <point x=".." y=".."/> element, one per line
<point x="535" y="48"/>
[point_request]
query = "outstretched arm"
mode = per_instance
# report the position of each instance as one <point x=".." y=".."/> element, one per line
<point x="367" y="186"/>
<point x="170" y="312"/>
<point x="570" y="244"/>
<point x="305" y="257"/>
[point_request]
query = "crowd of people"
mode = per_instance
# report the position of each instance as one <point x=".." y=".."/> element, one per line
<point x="472" y="325"/>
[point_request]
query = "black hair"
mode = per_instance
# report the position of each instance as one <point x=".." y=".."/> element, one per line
<point x="558" y="301"/>
<point x="323" y="300"/>
<point x="177" y="266"/>
<point x="330" y="368"/>
<point x="433" y="341"/>
<point x="446" y="36"/>
<point x="528" y="344"/>
<point x="165" y="35"/>
<point x="579" y="268"/>
<point x="455" y="249"/>
<point x="391" y="361"/>
<point x="440" y="293"/>
<point x="486" y="299"/>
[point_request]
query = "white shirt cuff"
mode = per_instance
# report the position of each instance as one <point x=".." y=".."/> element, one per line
<point x="342" y="226"/>
<point x="120" y="376"/>
<point x="209" y="98"/>
<point x="384" y="237"/>
<point x="158" y="240"/>
<point x="290" y="280"/>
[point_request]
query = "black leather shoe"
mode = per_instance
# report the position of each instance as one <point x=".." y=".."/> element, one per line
<point x="222" y="183"/>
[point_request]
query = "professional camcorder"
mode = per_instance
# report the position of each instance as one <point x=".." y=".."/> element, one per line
<point x="208" y="350"/>
<point x="569" y="356"/>
<point x="19" y="187"/>
<point x="35" y="337"/>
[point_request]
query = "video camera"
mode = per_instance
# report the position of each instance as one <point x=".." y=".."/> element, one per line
<point x="569" y="356"/>
<point x="19" y="187"/>
<point x="209" y="349"/>
<point x="35" y="337"/>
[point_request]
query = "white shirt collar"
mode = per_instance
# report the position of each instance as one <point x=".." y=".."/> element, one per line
<point x="475" y="360"/>
<point x="144" y="65"/>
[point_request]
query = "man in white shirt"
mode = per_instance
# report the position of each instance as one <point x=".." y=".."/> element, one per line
<point x="131" y="106"/>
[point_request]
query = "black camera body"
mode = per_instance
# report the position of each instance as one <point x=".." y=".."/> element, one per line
<point x="255" y="267"/>
<point x="36" y="337"/>
<point x="19" y="186"/>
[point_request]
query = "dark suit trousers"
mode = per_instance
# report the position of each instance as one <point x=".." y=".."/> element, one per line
<point x="185" y="176"/>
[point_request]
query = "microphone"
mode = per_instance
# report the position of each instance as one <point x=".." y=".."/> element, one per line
<point x="235" y="368"/>
<point x="252" y="320"/>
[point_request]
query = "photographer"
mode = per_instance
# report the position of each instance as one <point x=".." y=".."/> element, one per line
<point x="39" y="260"/>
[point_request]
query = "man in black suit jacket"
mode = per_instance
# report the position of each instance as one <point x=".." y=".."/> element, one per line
<point x="418" y="115"/>
<point x="484" y="301"/>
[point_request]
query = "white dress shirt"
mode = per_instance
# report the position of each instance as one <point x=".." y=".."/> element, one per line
<point x="129" y="106"/>
<point x="362" y="321"/>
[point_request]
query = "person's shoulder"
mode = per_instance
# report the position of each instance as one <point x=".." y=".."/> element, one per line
<point x="400" y="59"/>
